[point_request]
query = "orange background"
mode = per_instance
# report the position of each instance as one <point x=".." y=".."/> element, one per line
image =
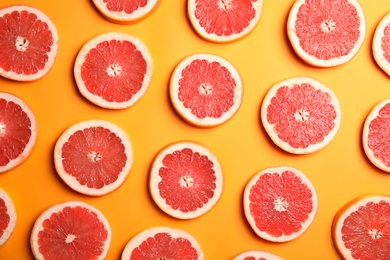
<point x="339" y="172"/>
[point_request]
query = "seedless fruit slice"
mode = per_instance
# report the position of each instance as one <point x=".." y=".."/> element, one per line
<point x="113" y="70"/>
<point x="280" y="203"/>
<point x="126" y="11"/>
<point x="7" y="217"/>
<point x="326" y="33"/>
<point x="256" y="255"/>
<point x="206" y="90"/>
<point x="162" y="243"/>
<point x="381" y="44"/>
<point x="29" y="43"/>
<point x="224" y="20"/>
<point x="18" y="131"/>
<point x="301" y="115"/>
<point x="361" y="229"/>
<point x="93" y="157"/>
<point x="185" y="180"/>
<point x="70" y="230"/>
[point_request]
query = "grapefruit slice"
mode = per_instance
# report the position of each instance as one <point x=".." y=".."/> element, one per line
<point x="361" y="229"/>
<point x="381" y="44"/>
<point x="162" y="243"/>
<point x="256" y="255"/>
<point x="70" y="230"/>
<point x="280" y="203"/>
<point x="18" y="131"/>
<point x="376" y="136"/>
<point x="113" y="70"/>
<point x="7" y="217"/>
<point x="301" y="115"/>
<point x="28" y="45"/>
<point x="206" y="90"/>
<point x="224" y="20"/>
<point x="93" y="157"/>
<point x="185" y="180"/>
<point x="326" y="33"/>
<point x="126" y="11"/>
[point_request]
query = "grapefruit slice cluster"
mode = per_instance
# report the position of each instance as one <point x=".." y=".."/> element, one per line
<point x="280" y="203"/>
<point x="113" y="70"/>
<point x="93" y="157"/>
<point x="162" y="243"/>
<point x="361" y="229"/>
<point x="256" y="255"/>
<point x="326" y="33"/>
<point x="29" y="43"/>
<point x="7" y="217"/>
<point x="381" y="44"/>
<point x="185" y="180"/>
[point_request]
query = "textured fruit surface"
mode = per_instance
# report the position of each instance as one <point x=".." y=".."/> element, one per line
<point x="381" y="44"/>
<point x="7" y="217"/>
<point x="256" y="255"/>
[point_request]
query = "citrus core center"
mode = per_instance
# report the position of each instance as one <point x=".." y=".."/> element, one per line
<point x="205" y="89"/>
<point x="95" y="156"/>
<point x="328" y="26"/>
<point x="225" y="4"/>
<point x="21" y="43"/>
<point x="186" y="181"/>
<point x="2" y="129"/>
<point x="375" y="233"/>
<point x="70" y="238"/>
<point x="301" y="115"/>
<point x="280" y="204"/>
<point x="114" y="70"/>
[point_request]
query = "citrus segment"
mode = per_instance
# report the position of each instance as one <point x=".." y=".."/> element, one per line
<point x="256" y="255"/>
<point x="70" y="230"/>
<point x="7" y="217"/>
<point x="280" y="203"/>
<point x="206" y="90"/>
<point x="162" y="243"/>
<point x="28" y="43"/>
<point x="185" y="180"/>
<point x="93" y="157"/>
<point x="301" y="115"/>
<point x="113" y="70"/>
<point x="381" y="44"/>
<point x="224" y="20"/>
<point x="361" y="229"/>
<point x="326" y="33"/>
<point x="18" y="131"/>
<point x="126" y="11"/>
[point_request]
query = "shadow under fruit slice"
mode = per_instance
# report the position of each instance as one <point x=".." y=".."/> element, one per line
<point x="7" y="217"/>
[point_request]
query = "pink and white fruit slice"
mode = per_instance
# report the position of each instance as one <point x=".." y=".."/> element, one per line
<point x="7" y="217"/>
<point x="162" y="243"/>
<point x="257" y="255"/>
<point x="326" y="33"/>
<point x="70" y="230"/>
<point x="280" y="203"/>
<point x="381" y="44"/>
<point x="185" y="180"/>
<point x="28" y="45"/>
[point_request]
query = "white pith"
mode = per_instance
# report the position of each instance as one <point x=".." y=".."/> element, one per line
<point x="21" y="43"/>
<point x="114" y="70"/>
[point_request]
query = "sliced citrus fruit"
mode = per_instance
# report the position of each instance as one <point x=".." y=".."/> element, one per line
<point x="326" y="33"/>
<point x="28" y="45"/>
<point x="301" y="115"/>
<point x="70" y="230"/>
<point x="185" y="180"/>
<point x="381" y="44"/>
<point x="361" y="229"/>
<point x="7" y="217"/>
<point x="126" y="11"/>
<point x="280" y="203"/>
<point x="206" y="90"/>
<point x="256" y="255"/>
<point x="113" y="70"/>
<point x="224" y="20"/>
<point x="376" y="136"/>
<point x="93" y="157"/>
<point x="18" y="131"/>
<point x="162" y="243"/>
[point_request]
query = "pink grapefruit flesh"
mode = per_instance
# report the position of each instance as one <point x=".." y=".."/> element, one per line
<point x="28" y="43"/>
<point x="256" y="255"/>
<point x="301" y="115"/>
<point x="280" y="203"/>
<point x="185" y="180"/>
<point x="7" y="217"/>
<point x="381" y="44"/>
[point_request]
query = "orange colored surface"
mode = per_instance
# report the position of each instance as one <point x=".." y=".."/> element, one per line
<point x="340" y="171"/>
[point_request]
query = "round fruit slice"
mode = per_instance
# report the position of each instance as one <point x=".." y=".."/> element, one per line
<point x="7" y="217"/>
<point x="224" y="20"/>
<point x="162" y="243"/>
<point x="280" y="203"/>
<point x="326" y="33"/>
<point x="93" y="157"/>
<point x="301" y="115"/>
<point x="113" y="70"/>
<point x="376" y="135"/>
<point x="206" y="90"/>
<point x="71" y="230"/>
<point x="361" y="229"/>
<point x="256" y="255"/>
<point x="381" y="44"/>
<point x="126" y="11"/>
<point x="185" y="180"/>
<point x="18" y="131"/>
<point x="29" y="43"/>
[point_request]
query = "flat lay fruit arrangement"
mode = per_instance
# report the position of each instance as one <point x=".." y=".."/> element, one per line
<point x="194" y="129"/>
